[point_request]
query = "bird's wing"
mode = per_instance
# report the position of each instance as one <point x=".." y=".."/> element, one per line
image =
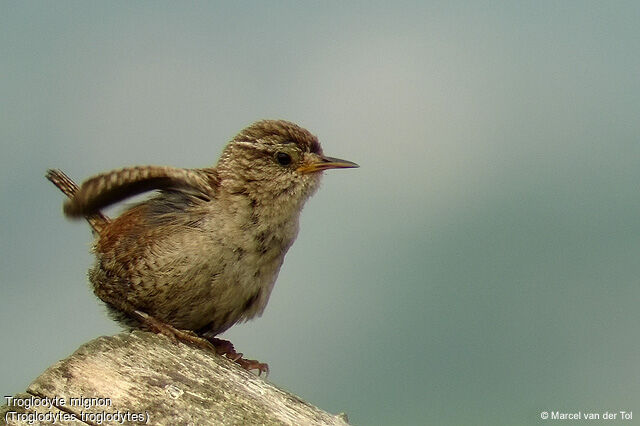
<point x="108" y="188"/>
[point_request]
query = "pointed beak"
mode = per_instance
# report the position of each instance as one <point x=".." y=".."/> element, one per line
<point x="325" y="163"/>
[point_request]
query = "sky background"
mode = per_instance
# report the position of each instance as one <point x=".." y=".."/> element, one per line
<point x="479" y="268"/>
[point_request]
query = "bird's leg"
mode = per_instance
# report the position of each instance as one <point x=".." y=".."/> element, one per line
<point x="174" y="334"/>
<point x="225" y="348"/>
<point x="219" y="346"/>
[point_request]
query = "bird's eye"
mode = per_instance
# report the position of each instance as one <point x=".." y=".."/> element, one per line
<point x="283" y="158"/>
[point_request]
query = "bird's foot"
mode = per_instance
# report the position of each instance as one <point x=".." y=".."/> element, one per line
<point x="225" y="348"/>
<point x="174" y="334"/>
<point x="252" y="364"/>
<point x="219" y="346"/>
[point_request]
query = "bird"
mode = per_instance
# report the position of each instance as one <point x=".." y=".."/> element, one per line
<point x="204" y="252"/>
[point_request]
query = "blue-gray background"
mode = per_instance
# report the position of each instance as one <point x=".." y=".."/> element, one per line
<point x="480" y="267"/>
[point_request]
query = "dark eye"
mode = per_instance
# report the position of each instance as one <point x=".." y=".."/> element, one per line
<point x="283" y="158"/>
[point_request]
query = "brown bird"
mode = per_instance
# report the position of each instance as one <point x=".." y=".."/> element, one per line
<point x="205" y="252"/>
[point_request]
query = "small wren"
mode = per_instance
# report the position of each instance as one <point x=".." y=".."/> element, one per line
<point x="204" y="252"/>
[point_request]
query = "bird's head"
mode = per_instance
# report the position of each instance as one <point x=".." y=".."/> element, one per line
<point x="275" y="161"/>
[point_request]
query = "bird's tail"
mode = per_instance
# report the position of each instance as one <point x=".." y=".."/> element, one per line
<point x="69" y="188"/>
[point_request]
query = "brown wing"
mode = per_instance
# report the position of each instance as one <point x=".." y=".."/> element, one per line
<point x="108" y="188"/>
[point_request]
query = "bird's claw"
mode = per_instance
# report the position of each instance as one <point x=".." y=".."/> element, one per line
<point x="226" y="349"/>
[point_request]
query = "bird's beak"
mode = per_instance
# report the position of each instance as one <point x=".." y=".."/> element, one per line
<point x="324" y="163"/>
